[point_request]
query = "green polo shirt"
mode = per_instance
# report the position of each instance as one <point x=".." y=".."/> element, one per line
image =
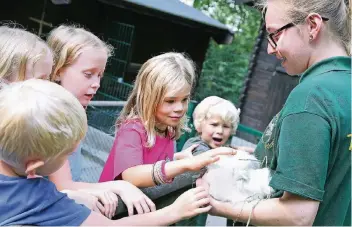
<point x="307" y="144"/>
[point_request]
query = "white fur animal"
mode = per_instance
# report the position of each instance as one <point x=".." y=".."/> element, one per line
<point x="238" y="178"/>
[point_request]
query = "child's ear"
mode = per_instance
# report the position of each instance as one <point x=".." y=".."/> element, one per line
<point x="31" y="167"/>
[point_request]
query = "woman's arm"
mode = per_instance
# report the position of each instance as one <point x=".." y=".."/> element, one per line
<point x="141" y="175"/>
<point x="289" y="210"/>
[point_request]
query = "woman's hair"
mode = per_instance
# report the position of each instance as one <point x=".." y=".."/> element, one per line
<point x="158" y="76"/>
<point x="19" y="49"/>
<point x="216" y="106"/>
<point x="68" y="42"/>
<point x="339" y="14"/>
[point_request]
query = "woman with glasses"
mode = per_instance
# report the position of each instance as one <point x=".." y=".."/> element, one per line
<point x="308" y="143"/>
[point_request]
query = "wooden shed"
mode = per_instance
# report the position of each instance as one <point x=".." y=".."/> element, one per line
<point x="138" y="29"/>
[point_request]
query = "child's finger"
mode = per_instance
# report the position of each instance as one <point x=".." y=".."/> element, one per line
<point x="197" y="190"/>
<point x="113" y="199"/>
<point x="199" y="182"/>
<point x="100" y="207"/>
<point x="150" y="204"/>
<point x="145" y="206"/>
<point x="105" y="201"/>
<point x="201" y="195"/>
<point x="130" y="209"/>
<point x="202" y="202"/>
<point x="138" y="208"/>
<point x="203" y="209"/>
<point x="223" y="151"/>
<point x="210" y="160"/>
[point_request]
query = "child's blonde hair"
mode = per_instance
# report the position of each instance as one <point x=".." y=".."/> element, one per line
<point x="216" y="106"/>
<point x="159" y="75"/>
<point x="68" y="42"/>
<point x="39" y="120"/>
<point x="18" y="48"/>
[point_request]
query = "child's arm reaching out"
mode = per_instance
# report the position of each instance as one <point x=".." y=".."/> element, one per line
<point x="130" y="195"/>
<point x="141" y="175"/>
<point x="193" y="202"/>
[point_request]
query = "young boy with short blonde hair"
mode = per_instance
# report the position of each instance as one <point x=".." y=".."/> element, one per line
<point x="40" y="126"/>
<point x="215" y="120"/>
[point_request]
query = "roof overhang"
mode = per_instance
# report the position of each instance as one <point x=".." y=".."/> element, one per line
<point x="177" y="12"/>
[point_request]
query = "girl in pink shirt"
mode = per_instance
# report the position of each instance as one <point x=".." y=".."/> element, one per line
<point x="151" y="121"/>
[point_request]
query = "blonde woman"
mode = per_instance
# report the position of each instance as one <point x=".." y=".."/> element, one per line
<point x="23" y="55"/>
<point x="80" y="60"/>
<point x="151" y="121"/>
<point x="307" y="143"/>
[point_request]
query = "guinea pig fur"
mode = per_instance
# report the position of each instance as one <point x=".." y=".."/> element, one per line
<point x="238" y="178"/>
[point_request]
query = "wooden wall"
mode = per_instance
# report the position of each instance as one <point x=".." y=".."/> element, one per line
<point x="265" y="90"/>
<point x="152" y="35"/>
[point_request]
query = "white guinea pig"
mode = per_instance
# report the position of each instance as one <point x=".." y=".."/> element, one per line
<point x="238" y="178"/>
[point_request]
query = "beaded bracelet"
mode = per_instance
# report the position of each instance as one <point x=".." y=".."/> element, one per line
<point x="153" y="176"/>
<point x="157" y="172"/>
<point x="163" y="174"/>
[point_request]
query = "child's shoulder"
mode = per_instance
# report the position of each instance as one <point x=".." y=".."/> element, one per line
<point x="202" y="147"/>
<point x="24" y="185"/>
<point x="133" y="124"/>
<point x="191" y="141"/>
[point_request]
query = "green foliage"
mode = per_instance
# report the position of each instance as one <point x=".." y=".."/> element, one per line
<point x="226" y="66"/>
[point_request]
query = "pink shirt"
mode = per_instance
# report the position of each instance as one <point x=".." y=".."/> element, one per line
<point x="129" y="149"/>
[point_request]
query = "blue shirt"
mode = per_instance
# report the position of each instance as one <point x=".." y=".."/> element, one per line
<point x="37" y="202"/>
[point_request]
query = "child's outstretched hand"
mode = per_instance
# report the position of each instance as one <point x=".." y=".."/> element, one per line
<point x="197" y="162"/>
<point x="132" y="196"/>
<point x="191" y="203"/>
<point x="215" y="205"/>
<point x="244" y="148"/>
<point x="186" y="153"/>
<point x="107" y="198"/>
<point x="85" y="199"/>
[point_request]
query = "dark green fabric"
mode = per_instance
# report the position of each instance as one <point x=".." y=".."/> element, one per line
<point x="202" y="147"/>
<point x="307" y="143"/>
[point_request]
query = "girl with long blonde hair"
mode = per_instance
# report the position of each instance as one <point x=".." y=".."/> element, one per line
<point x="151" y="121"/>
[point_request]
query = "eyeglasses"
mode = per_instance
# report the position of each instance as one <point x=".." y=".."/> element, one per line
<point x="274" y="35"/>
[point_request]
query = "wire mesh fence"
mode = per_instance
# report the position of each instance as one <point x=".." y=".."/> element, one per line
<point x="108" y="103"/>
<point x="99" y="138"/>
